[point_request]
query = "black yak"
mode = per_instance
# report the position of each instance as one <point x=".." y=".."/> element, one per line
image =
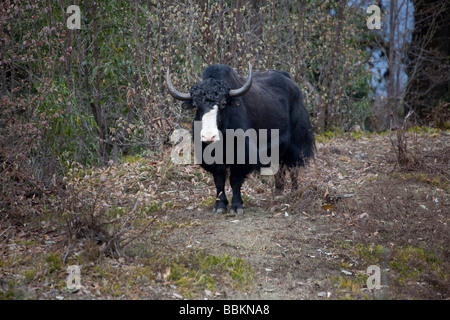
<point x="269" y="101"/>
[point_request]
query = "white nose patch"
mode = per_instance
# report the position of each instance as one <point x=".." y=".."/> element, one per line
<point x="210" y="132"/>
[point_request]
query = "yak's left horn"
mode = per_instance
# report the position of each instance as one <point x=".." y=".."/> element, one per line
<point x="174" y="92"/>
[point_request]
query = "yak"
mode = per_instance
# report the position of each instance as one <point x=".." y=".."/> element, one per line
<point x="265" y="100"/>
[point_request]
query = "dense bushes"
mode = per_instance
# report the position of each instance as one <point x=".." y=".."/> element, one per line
<point x="98" y="92"/>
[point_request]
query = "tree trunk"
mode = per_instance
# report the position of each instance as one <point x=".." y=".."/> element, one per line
<point x="392" y="62"/>
<point x="324" y="116"/>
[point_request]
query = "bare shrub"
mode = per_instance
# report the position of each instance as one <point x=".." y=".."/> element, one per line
<point x="400" y="147"/>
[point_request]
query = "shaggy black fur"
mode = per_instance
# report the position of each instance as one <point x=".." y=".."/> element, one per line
<point x="273" y="102"/>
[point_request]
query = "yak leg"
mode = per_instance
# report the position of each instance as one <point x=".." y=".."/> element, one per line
<point x="221" y="199"/>
<point x="280" y="179"/>
<point x="293" y="172"/>
<point x="236" y="180"/>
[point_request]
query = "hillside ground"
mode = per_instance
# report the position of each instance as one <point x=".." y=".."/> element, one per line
<point x="143" y="228"/>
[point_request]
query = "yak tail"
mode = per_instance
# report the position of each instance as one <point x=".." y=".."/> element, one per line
<point x="302" y="132"/>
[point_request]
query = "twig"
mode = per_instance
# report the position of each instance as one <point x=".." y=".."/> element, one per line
<point x="142" y="231"/>
<point x="5" y="231"/>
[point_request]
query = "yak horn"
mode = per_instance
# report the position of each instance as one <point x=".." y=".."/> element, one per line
<point x="174" y="92"/>
<point x="244" y="89"/>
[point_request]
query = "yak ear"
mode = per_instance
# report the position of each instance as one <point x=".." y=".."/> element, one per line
<point x="187" y="105"/>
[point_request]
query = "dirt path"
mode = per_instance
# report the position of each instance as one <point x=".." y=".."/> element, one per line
<point x="276" y="248"/>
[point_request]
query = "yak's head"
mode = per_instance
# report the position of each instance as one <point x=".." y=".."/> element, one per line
<point x="210" y="98"/>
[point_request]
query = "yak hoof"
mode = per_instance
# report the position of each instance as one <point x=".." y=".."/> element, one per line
<point x="238" y="211"/>
<point x="219" y="210"/>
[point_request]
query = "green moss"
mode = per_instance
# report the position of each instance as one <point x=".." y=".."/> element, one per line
<point x="151" y="208"/>
<point x="207" y="202"/>
<point x="374" y="178"/>
<point x="422" y="178"/>
<point x="412" y="262"/>
<point x="207" y="281"/>
<point x="419" y="130"/>
<point x="6" y="261"/>
<point x="356" y="135"/>
<point x="116" y="289"/>
<point x="29" y="275"/>
<point x="132" y="159"/>
<point x="116" y="212"/>
<point x="371" y="254"/>
<point x="54" y="262"/>
<point x="98" y="272"/>
<point x="198" y="271"/>
<point x="350" y="286"/>
<point x="25" y="243"/>
<point x="10" y="291"/>
<point x="325" y="136"/>
<point x="406" y="264"/>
